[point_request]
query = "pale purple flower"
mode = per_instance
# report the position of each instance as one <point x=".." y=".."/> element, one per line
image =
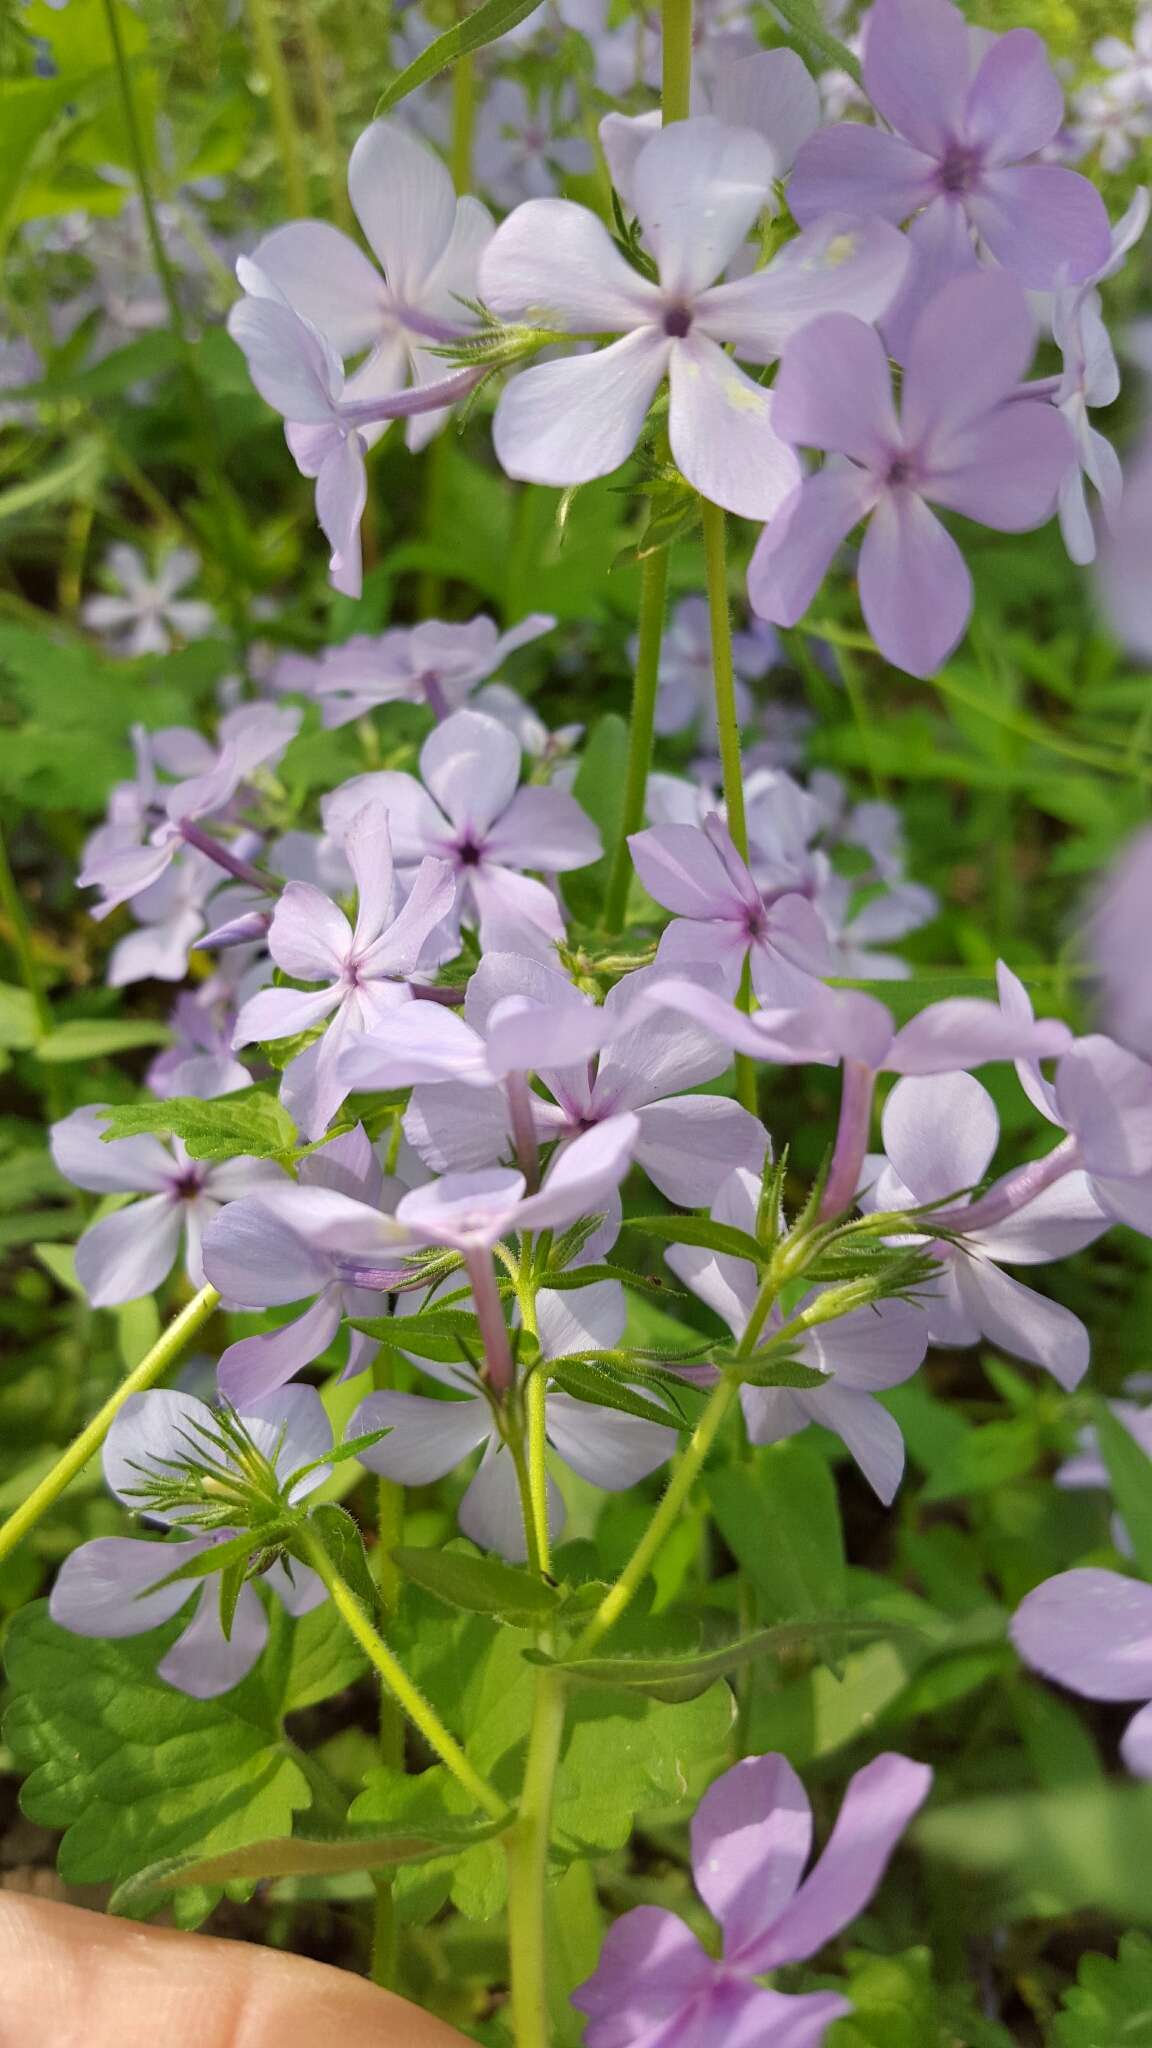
<point x="1091" y="1630"/>
<point x="131" y="1252"/>
<point x="698" y="187"/>
<point x="940" y="1134"/>
<point x="1129" y="63"/>
<point x="432" y="663"/>
<point x="524" y="143"/>
<point x="428" y="1438"/>
<point x="723" y="918"/>
<point x="769" y="91"/>
<point x="111" y="1588"/>
<point x="969" y="118"/>
<point x="366" y="967"/>
<point x="959" y="441"/>
<point x="427" y="243"/>
<point x="1116" y="935"/>
<point x="861" y="1353"/>
<point x="258" y="1259"/>
<point x="1108" y="118"/>
<point x="687" y="691"/>
<point x="171" y="915"/>
<point x="151" y="614"/>
<point x="657" y="1987"/>
<point x="553" y="750"/>
<point x="1123" y="585"/>
<point x="471" y="813"/>
<point x="470" y="1105"/>
<point x="200" y="1061"/>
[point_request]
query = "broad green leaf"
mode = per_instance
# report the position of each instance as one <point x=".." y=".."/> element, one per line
<point x="780" y="1517"/>
<point x="131" y="1768"/>
<point x="492" y="19"/>
<point x="702" y="1230"/>
<point x="18" y="1022"/>
<point x="435" y="1334"/>
<point x="896" y="2004"/>
<point x="987" y="1458"/>
<point x="92" y="1038"/>
<point x="1111" y="2001"/>
<point x="1085" y="1846"/>
<point x="342" y="1540"/>
<point x="1130" y="1470"/>
<point x="626" y="1755"/>
<point x="480" y="1585"/>
<point x="600" y="1388"/>
<point x="684" y="1678"/>
<point x="814" y="1716"/>
<point x="251" y="1122"/>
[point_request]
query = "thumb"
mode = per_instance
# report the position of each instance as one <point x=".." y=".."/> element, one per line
<point x="71" y="1979"/>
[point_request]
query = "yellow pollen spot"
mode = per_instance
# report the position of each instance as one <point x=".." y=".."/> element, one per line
<point x="742" y="398"/>
<point x="838" y="250"/>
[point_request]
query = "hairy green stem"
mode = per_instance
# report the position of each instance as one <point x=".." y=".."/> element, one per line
<point x="420" y="1711"/>
<point x="151" y="1368"/>
<point x="653" y="594"/>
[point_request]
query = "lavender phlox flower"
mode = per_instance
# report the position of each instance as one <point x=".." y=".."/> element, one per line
<point x="150" y="823"/>
<point x="782" y="730"/>
<point x="1116" y="939"/>
<point x="1091" y="1630"/>
<point x="329" y="421"/>
<point x="963" y="440"/>
<point x="366" y="968"/>
<point x="966" y="120"/>
<point x="521" y="149"/>
<point x="1091" y="378"/>
<point x="626" y="54"/>
<point x="427" y="243"/>
<point x="1123" y="585"/>
<point x="940" y="1134"/>
<point x="429" y="1438"/>
<point x="257" y="1258"/>
<point x="200" y="1061"/>
<point x="552" y="751"/>
<point x="150" y="614"/>
<point x="656" y="1986"/>
<point x="1107" y="117"/>
<point x="131" y="1252"/>
<point x="769" y="91"/>
<point x="860" y="1353"/>
<point x="112" y="1588"/>
<point x="471" y="1104"/>
<point x="856" y="929"/>
<point x="432" y="663"/>
<point x="687" y="693"/>
<point x="723" y="917"/>
<point x="1129" y="63"/>
<point x="698" y="187"/>
<point x="471" y="813"/>
<point x="171" y="915"/>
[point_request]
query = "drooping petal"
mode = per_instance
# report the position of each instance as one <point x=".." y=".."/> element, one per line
<point x="1091" y="1630"/>
<point x="878" y="1805"/>
<point x="426" y="1439"/>
<point x="341" y="495"/>
<point x="915" y="589"/>
<point x="1104" y="1095"/>
<point x="294" y="369"/>
<point x="689" y="1144"/>
<point x="298" y="1588"/>
<point x="751" y="1838"/>
<point x="1023" y="1322"/>
<point x="725" y="1284"/>
<point x="129" y="1254"/>
<point x="964" y="1031"/>
<point x="1062" y="1220"/>
<point x="606" y="1447"/>
<point x="567" y="422"/>
<point x="404" y="200"/>
<point x="116" y="1166"/>
<point x="555" y="264"/>
<point x="697" y="188"/>
<point x="256" y="1366"/>
<point x="203" y="1661"/>
<point x="869" y="1348"/>
<point x="870" y="1433"/>
<point x="852" y="169"/>
<point x="490" y="1511"/>
<point x="721" y="430"/>
<point x="580" y="1318"/>
<point x="325" y="277"/>
<point x="102" y="1589"/>
<point x="940" y="1134"/>
<point x="792" y="555"/>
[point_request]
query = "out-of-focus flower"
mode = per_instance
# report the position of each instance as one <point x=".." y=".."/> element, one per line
<point x="522" y="149"/>
<point x="723" y="918"/>
<point x="1091" y="1630"/>
<point x="432" y="663"/>
<point x="150" y="614"/>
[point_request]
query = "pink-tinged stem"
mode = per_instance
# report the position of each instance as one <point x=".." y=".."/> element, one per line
<point x="856" y="1091"/>
<point x="1014" y="1191"/>
<point x="224" y="858"/>
<point x="418" y="398"/>
<point x="523" y="1121"/>
<point x="451" y="996"/>
<point x="490" y="1316"/>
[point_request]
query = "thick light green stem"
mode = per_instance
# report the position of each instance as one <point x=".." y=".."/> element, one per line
<point x="653" y="593"/>
<point x="151" y="1368"/>
<point x="420" y="1711"/>
<point x="271" y="60"/>
<point x="20" y="940"/>
<point x="527" y="1851"/>
<point x="727" y="721"/>
<point x="676" y="68"/>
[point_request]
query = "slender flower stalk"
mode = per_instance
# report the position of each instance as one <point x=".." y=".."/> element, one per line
<point x="856" y="1091"/>
<point x="151" y="1368"/>
<point x="224" y="858"/>
<point x="676" y="60"/>
<point x="490" y="1316"/>
<point x="1014" y="1190"/>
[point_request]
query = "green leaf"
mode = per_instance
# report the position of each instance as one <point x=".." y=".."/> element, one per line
<point x="986" y="1458"/>
<point x="131" y="1768"/>
<point x="341" y="1538"/>
<point x="480" y="1585"/>
<point x="92" y="1038"/>
<point x="251" y="1122"/>
<point x="1084" y="1846"/>
<point x="780" y="1517"/>
<point x="489" y="21"/>
<point x="626" y="1755"/>
<point x="1111" y="2001"/>
<point x="1130" y="1471"/>
<point x="768" y="1369"/>
<point x="684" y="1678"/>
<point x="804" y="19"/>
<point x="311" y="1852"/>
<point x="435" y="1334"/>
<point x="589" y="1382"/>
<point x="703" y="1230"/>
<point x="19" y="1026"/>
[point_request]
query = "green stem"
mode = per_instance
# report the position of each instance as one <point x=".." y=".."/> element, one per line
<point x="527" y="1851"/>
<point x="724" y="680"/>
<point x="152" y="1367"/>
<point x="420" y="1711"/>
<point x="684" y="1476"/>
<point x="676" y="69"/>
<point x="270" y="58"/>
<point x="20" y="939"/>
<point x="389" y="1533"/>
<point x="653" y="593"/>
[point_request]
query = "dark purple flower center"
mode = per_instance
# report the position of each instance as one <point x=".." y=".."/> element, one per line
<point x="468" y="854"/>
<point x="187" y="1185"/>
<point x="959" y="168"/>
<point x="677" y="321"/>
<point x="901" y="470"/>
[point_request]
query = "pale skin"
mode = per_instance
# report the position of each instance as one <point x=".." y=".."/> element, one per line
<point x="72" y="1979"/>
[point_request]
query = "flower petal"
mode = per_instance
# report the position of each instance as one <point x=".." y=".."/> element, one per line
<point x="256" y="1366"/>
<point x="940" y="1134"/>
<point x="203" y="1661"/>
<point x="1091" y="1630"/>
<point x="751" y="1838"/>
<point x="915" y="589"/>
<point x="471" y="764"/>
<point x="427" y="1438"/>
<point x="1023" y="1322"/>
<point x="916" y="69"/>
<point x="327" y="279"/>
<point x="792" y="555"/>
<point x="1046" y="223"/>
<point x="129" y="1254"/>
<point x="697" y="188"/>
<point x="108" y="1166"/>
<point x="840" y="265"/>
<point x="568" y="422"/>
<point x="555" y="264"/>
<point x="404" y="200"/>
<point x="689" y="1145"/>
<point x="102" y="1588"/>
<point x="721" y="429"/>
<point x="864" y="171"/>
